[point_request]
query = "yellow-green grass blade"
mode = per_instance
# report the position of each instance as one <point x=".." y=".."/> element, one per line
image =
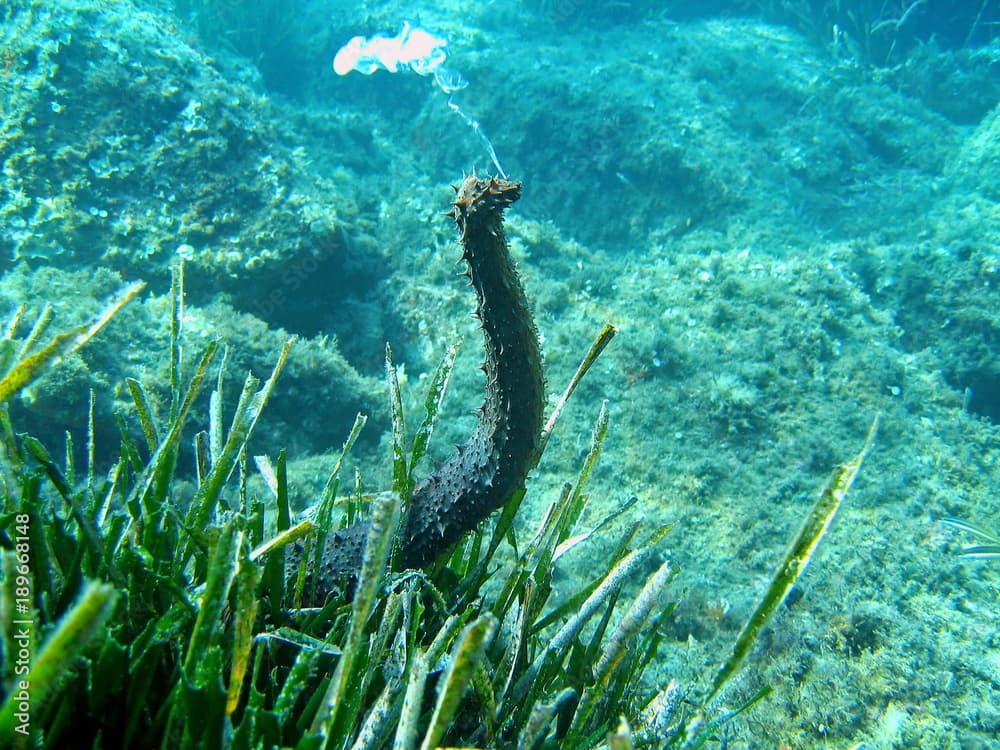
<point x="794" y="563"/>
<point x="58" y="655"/>
<point x="31" y="367"/>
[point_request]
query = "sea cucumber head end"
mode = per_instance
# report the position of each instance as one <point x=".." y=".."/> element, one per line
<point x="491" y="195"/>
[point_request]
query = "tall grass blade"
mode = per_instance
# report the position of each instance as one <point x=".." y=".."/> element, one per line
<point x="159" y="470"/>
<point x="145" y="413"/>
<point x="600" y="343"/>
<point x="385" y="516"/>
<point x="324" y="515"/>
<point x="456" y="680"/>
<point x="401" y="482"/>
<point x="406" y="730"/>
<point x="619" y="653"/>
<point x="59" y="654"/>
<point x="30" y="367"/>
<point x="40" y="326"/>
<point x="794" y="563"/>
<point x="208" y="626"/>
<point x="244" y="618"/>
<point x="432" y="404"/>
<point x="199" y="700"/>
<point x="176" y="320"/>
<point x="976" y="550"/>
<point x="244" y="421"/>
<point x="216" y="429"/>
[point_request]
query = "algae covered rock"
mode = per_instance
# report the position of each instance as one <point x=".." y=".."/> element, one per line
<point x="125" y="144"/>
<point x="127" y="148"/>
<point x="319" y="393"/>
<point x="975" y="163"/>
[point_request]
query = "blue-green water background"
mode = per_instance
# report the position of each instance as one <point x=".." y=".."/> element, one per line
<point x="790" y="209"/>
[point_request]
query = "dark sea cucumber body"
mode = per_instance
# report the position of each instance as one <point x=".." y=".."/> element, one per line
<point x="487" y="469"/>
<point x="493" y="463"/>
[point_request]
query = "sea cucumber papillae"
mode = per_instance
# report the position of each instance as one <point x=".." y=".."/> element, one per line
<point x="487" y="469"/>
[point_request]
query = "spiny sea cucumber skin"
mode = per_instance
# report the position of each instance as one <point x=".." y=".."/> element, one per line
<point x="483" y="473"/>
<point x="487" y="469"/>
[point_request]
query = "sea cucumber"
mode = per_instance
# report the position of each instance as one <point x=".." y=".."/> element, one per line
<point x="487" y="469"/>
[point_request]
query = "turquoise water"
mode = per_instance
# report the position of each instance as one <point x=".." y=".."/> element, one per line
<point x="791" y="210"/>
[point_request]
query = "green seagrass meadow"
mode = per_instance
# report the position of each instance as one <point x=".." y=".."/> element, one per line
<point x="162" y="617"/>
